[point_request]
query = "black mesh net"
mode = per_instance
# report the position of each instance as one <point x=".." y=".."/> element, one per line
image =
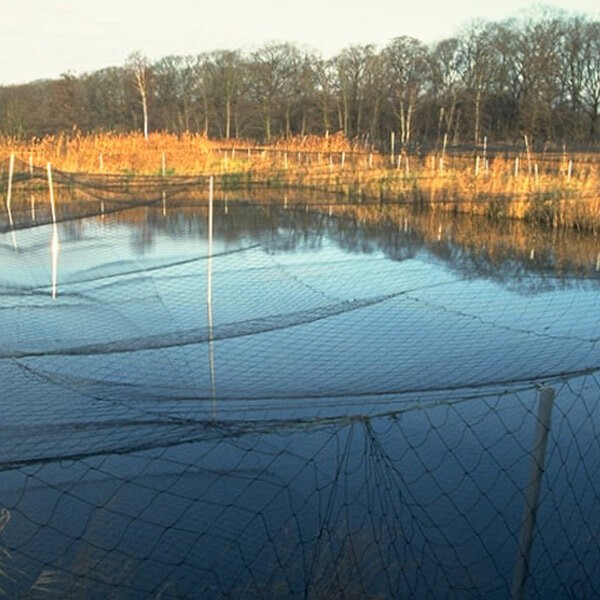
<point x="304" y="406"/>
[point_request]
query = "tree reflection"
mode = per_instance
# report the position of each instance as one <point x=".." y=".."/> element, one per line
<point x="513" y="253"/>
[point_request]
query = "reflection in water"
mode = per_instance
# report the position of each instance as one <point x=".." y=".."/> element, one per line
<point x="514" y="253"/>
<point x="55" y="248"/>
<point x="13" y="234"/>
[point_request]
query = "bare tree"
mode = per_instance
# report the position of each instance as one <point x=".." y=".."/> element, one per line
<point x="139" y="67"/>
<point x="406" y="63"/>
<point x="591" y="82"/>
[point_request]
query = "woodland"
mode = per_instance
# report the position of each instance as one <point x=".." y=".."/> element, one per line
<point x="536" y="76"/>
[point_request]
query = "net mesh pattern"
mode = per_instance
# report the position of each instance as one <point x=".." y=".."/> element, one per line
<point x="286" y="412"/>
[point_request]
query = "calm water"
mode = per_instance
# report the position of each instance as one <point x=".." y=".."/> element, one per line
<point x="310" y="406"/>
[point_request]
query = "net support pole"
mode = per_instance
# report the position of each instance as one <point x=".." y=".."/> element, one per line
<point x="51" y="192"/>
<point x="532" y="491"/>
<point x="209" y="311"/>
<point x="11" y="170"/>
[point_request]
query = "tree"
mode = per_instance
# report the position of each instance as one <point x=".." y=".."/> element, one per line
<point x="591" y="81"/>
<point x="139" y="67"/>
<point x="446" y="79"/>
<point x="406" y="63"/>
<point x="272" y="69"/>
<point x="109" y="103"/>
<point x="354" y="67"/>
<point x="477" y="64"/>
<point x="225" y="78"/>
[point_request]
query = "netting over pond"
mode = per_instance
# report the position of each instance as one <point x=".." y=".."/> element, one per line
<point x="302" y="408"/>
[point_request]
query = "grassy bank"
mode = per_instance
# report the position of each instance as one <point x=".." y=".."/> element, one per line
<point x="560" y="191"/>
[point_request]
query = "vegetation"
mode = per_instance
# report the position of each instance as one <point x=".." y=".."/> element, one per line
<point x="536" y="78"/>
<point x="558" y="190"/>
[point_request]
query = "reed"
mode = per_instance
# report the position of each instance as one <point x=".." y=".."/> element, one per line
<point x="560" y="191"/>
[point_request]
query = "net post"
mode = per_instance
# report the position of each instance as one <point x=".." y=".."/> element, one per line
<point x="209" y="311"/>
<point x="11" y="170"/>
<point x="51" y="192"/>
<point x="532" y="490"/>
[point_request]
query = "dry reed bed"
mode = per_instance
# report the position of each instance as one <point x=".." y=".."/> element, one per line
<point x="561" y="191"/>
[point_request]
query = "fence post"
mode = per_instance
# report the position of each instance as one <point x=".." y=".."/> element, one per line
<point x="532" y="490"/>
<point x="209" y="311"/>
<point x="51" y="192"/>
<point x="11" y="169"/>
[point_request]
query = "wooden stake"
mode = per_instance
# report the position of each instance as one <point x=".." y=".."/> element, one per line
<point x="11" y="169"/>
<point x="443" y="151"/>
<point x="528" y="155"/>
<point x="51" y="192"/>
<point x="211" y="185"/>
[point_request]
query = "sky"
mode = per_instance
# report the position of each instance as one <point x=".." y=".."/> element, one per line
<point x="46" y="38"/>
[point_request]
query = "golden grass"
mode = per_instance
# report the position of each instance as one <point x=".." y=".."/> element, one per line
<point x="559" y="191"/>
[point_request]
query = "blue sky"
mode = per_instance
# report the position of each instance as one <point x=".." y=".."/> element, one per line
<point x="44" y="38"/>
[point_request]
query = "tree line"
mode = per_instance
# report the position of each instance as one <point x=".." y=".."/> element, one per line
<point x="535" y="77"/>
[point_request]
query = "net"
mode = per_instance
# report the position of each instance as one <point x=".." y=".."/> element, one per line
<point x="303" y="406"/>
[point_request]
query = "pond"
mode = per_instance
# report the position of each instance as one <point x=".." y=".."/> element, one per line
<point x="301" y="402"/>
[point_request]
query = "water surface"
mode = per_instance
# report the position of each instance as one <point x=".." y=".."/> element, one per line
<point x="312" y="405"/>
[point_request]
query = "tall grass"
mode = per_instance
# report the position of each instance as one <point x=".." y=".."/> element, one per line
<point x="557" y="191"/>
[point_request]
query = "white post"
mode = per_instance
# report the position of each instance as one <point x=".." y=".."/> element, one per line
<point x="51" y="192"/>
<point x="55" y="244"/>
<point x="392" y="147"/>
<point x="11" y="169"/>
<point x="445" y="143"/>
<point x="528" y="155"/>
<point x="54" y="251"/>
<point x="211" y="185"/>
<point x="484" y="148"/>
<point x="209" y="312"/>
<point x="532" y="491"/>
